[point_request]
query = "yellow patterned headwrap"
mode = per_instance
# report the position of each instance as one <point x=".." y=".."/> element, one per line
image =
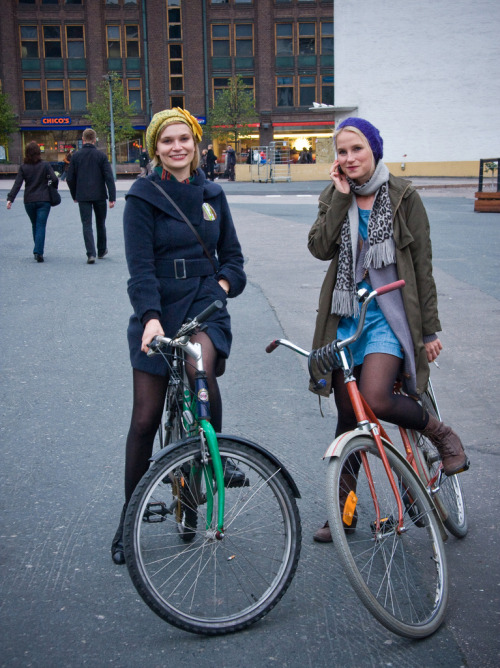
<point x="167" y="117"/>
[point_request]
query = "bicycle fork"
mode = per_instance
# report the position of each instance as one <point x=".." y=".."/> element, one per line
<point x="209" y="438"/>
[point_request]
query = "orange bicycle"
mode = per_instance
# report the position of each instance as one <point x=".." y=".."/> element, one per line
<point x="385" y="510"/>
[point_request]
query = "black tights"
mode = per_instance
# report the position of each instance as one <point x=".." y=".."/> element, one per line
<point x="149" y="398"/>
<point x="376" y="378"/>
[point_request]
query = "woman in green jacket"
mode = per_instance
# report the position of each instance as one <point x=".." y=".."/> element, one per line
<point x="373" y="229"/>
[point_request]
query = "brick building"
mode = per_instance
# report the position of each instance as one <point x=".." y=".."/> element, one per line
<point x="55" y="53"/>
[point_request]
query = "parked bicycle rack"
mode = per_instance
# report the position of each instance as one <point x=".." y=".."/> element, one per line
<point x="488" y="201"/>
<point x="271" y="163"/>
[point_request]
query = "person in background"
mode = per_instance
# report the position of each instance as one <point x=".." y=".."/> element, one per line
<point x="144" y="164"/>
<point x="230" y="161"/>
<point x="35" y="172"/>
<point x="173" y="279"/>
<point x="373" y="229"/>
<point x="211" y="162"/>
<point x="203" y="162"/>
<point x="66" y="161"/>
<point x="91" y="182"/>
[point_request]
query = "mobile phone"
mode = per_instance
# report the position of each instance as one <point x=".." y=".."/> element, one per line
<point x="339" y="169"/>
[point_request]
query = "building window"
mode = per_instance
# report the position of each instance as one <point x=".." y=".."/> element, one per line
<point x="307" y="39"/>
<point x="327" y="38"/>
<point x="284" y="91"/>
<point x="135" y="94"/>
<point x="29" y="42"/>
<point x="220" y="40"/>
<point x="75" y="43"/>
<point x="249" y="83"/>
<point x="52" y="42"/>
<point x="113" y="42"/>
<point x="132" y="41"/>
<point x="78" y="93"/>
<point x="284" y="39"/>
<point x="50" y="2"/>
<point x="55" y="94"/>
<point x="219" y="85"/>
<point x="307" y="90"/>
<point x="176" y="67"/>
<point x="74" y="2"/>
<point x="327" y="89"/>
<point x="177" y="101"/>
<point x="244" y="39"/>
<point x="32" y="94"/>
<point x="174" y="23"/>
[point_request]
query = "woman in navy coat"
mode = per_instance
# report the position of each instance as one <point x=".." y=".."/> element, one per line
<point x="172" y="279"/>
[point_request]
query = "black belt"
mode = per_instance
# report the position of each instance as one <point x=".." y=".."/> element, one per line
<point x="183" y="268"/>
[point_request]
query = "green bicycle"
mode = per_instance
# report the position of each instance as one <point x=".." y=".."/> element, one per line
<point x="212" y="533"/>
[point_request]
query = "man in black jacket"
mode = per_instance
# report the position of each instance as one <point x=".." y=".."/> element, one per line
<point x="89" y="175"/>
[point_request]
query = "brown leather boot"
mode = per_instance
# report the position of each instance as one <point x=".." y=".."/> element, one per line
<point x="448" y="445"/>
<point x="347" y="483"/>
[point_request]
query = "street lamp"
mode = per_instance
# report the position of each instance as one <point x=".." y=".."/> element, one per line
<point x="109" y="79"/>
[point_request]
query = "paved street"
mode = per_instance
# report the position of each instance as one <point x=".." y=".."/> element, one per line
<point x="65" y="400"/>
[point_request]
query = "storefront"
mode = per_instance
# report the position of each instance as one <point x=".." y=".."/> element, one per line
<point x="56" y="136"/>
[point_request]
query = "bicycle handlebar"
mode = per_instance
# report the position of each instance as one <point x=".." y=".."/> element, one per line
<point x="186" y="329"/>
<point x="326" y="357"/>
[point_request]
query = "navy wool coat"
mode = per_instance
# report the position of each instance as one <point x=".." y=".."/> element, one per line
<point x="171" y="278"/>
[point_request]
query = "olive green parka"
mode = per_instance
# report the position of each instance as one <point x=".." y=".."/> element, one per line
<point x="413" y="265"/>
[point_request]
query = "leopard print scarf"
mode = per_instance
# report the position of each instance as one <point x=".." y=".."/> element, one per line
<point x="381" y="251"/>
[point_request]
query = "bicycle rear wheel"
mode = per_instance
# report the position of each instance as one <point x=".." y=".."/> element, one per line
<point x="448" y="499"/>
<point x="207" y="585"/>
<point x="400" y="577"/>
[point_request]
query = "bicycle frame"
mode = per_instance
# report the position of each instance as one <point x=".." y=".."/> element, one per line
<point x="203" y="425"/>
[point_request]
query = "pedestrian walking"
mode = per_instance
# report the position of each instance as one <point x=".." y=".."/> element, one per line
<point x="91" y="182"/>
<point x="35" y="173"/>
<point x="376" y="229"/>
<point x="173" y="277"/>
<point x="211" y="162"/>
<point x="144" y="164"/>
<point x="230" y="161"/>
<point x="66" y="161"/>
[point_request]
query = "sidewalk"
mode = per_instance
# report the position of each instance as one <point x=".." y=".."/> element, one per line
<point x="251" y="188"/>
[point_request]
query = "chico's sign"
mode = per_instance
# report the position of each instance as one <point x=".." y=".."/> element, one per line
<point x="58" y="120"/>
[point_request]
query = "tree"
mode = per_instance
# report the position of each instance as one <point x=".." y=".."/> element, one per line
<point x="8" y="122"/>
<point x="98" y="112"/>
<point x="232" y="112"/>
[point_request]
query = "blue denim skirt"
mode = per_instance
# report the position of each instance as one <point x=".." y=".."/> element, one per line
<point x="377" y="336"/>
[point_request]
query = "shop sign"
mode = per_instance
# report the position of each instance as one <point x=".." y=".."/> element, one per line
<point x="57" y="120"/>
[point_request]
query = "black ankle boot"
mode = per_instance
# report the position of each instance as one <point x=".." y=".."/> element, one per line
<point x="117" y="552"/>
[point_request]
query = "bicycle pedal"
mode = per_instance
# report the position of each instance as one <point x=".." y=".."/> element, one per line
<point x="387" y="525"/>
<point x="156" y="512"/>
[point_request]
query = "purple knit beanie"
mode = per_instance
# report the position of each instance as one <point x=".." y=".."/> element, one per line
<point x="370" y="132"/>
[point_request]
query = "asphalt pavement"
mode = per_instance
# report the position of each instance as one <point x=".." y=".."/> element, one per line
<point x="65" y="400"/>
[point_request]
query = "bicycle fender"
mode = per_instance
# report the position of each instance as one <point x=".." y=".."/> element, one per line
<point x="237" y="439"/>
<point x="336" y="447"/>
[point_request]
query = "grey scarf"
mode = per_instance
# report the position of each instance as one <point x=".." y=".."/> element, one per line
<point x="381" y="251"/>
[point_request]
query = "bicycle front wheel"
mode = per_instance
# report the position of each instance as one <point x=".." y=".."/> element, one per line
<point x="209" y="585"/>
<point x="400" y="577"/>
<point x="448" y="499"/>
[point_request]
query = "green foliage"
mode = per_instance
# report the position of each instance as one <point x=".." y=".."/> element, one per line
<point x="98" y="112"/>
<point x="232" y="112"/>
<point x="491" y="167"/>
<point x="8" y="122"/>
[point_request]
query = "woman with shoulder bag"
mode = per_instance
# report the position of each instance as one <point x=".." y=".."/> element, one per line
<point x="36" y="173"/>
<point x="183" y="254"/>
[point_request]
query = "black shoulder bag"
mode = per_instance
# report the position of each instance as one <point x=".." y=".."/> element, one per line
<point x="54" y="196"/>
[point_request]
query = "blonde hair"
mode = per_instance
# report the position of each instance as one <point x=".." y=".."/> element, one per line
<point x="351" y="128"/>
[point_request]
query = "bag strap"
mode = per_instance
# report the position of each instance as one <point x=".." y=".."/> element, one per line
<point x="188" y="223"/>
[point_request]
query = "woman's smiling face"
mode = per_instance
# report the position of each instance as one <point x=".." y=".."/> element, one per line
<point x="176" y="149"/>
<point x="355" y="156"/>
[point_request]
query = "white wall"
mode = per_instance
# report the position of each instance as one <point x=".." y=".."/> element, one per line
<point x="425" y="72"/>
